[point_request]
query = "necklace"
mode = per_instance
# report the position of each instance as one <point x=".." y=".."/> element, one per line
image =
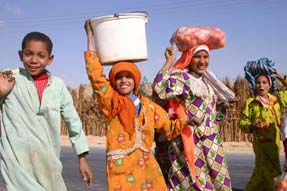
<point x="264" y="102"/>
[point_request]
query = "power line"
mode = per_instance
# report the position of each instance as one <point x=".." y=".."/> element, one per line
<point x="195" y="8"/>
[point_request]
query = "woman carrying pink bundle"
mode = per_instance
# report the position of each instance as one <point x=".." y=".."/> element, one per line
<point x="196" y="157"/>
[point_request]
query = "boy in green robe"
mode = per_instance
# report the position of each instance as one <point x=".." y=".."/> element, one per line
<point x="33" y="102"/>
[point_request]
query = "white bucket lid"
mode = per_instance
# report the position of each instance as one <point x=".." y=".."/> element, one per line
<point x="139" y="14"/>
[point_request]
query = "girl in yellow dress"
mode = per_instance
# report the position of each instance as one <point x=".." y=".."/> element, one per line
<point x="261" y="117"/>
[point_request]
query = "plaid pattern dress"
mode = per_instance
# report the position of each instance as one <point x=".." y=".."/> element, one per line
<point x="210" y="163"/>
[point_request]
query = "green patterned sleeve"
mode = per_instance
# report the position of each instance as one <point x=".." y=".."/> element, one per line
<point x="283" y="94"/>
<point x="245" y="117"/>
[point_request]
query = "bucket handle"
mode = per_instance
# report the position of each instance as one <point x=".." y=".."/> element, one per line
<point x="117" y="15"/>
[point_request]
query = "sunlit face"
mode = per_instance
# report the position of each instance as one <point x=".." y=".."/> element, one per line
<point x="35" y="57"/>
<point x="125" y="84"/>
<point x="262" y="85"/>
<point x="199" y="62"/>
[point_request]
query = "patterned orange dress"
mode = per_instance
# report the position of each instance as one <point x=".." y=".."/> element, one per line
<point x="131" y="165"/>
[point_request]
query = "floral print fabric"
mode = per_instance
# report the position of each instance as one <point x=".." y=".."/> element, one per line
<point x="130" y="164"/>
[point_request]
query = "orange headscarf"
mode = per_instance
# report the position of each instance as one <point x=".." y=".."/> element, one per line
<point x="122" y="105"/>
<point x="187" y="55"/>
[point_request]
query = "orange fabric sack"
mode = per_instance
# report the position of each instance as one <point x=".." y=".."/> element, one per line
<point x="176" y="110"/>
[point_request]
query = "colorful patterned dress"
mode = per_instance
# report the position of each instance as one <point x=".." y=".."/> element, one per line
<point x="266" y="140"/>
<point x="131" y="165"/>
<point x="200" y="100"/>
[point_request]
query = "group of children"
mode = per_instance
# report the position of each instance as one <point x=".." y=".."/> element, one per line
<point x="33" y="102"/>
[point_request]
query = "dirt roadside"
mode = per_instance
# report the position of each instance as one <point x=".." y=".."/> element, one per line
<point x="96" y="141"/>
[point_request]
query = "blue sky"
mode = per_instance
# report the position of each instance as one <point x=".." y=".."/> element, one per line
<point x="254" y="29"/>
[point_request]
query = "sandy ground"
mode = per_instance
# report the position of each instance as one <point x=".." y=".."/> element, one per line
<point x="100" y="142"/>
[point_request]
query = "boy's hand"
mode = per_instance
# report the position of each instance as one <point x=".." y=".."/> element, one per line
<point x="85" y="170"/>
<point x="7" y="82"/>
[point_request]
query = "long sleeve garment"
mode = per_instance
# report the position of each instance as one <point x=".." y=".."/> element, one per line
<point x="130" y="164"/>
<point x="30" y="134"/>
<point x="199" y="99"/>
<point x="266" y="140"/>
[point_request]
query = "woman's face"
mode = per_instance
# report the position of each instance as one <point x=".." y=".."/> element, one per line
<point x="199" y="62"/>
<point x="125" y="84"/>
<point x="262" y="85"/>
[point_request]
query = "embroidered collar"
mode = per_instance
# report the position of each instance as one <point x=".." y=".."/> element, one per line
<point x="195" y="75"/>
<point x="136" y="101"/>
<point x="271" y="98"/>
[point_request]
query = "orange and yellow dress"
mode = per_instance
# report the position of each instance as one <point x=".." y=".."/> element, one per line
<point x="130" y="161"/>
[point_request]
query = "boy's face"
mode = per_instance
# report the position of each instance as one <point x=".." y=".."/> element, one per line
<point x="262" y="85"/>
<point x="124" y="83"/>
<point x="35" y="57"/>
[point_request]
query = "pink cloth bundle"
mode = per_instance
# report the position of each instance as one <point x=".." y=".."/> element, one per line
<point x="188" y="37"/>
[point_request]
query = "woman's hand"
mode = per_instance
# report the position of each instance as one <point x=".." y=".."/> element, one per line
<point x="169" y="55"/>
<point x="254" y="127"/>
<point x="195" y="121"/>
<point x="170" y="58"/>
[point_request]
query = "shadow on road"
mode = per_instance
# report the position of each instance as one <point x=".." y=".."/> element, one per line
<point x="235" y="189"/>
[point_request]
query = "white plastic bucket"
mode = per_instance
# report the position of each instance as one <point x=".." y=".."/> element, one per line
<point x="120" y="37"/>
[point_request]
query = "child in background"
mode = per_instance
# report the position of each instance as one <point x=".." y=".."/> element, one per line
<point x="284" y="138"/>
<point x="132" y="120"/>
<point x="32" y="102"/>
<point x="261" y="117"/>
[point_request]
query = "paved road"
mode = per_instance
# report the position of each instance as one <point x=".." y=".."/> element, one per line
<point x="240" y="168"/>
<point x="71" y="173"/>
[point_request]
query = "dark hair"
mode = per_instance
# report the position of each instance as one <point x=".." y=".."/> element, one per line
<point x="266" y="76"/>
<point x="37" y="36"/>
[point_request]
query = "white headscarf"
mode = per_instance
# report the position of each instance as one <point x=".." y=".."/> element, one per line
<point x="200" y="48"/>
